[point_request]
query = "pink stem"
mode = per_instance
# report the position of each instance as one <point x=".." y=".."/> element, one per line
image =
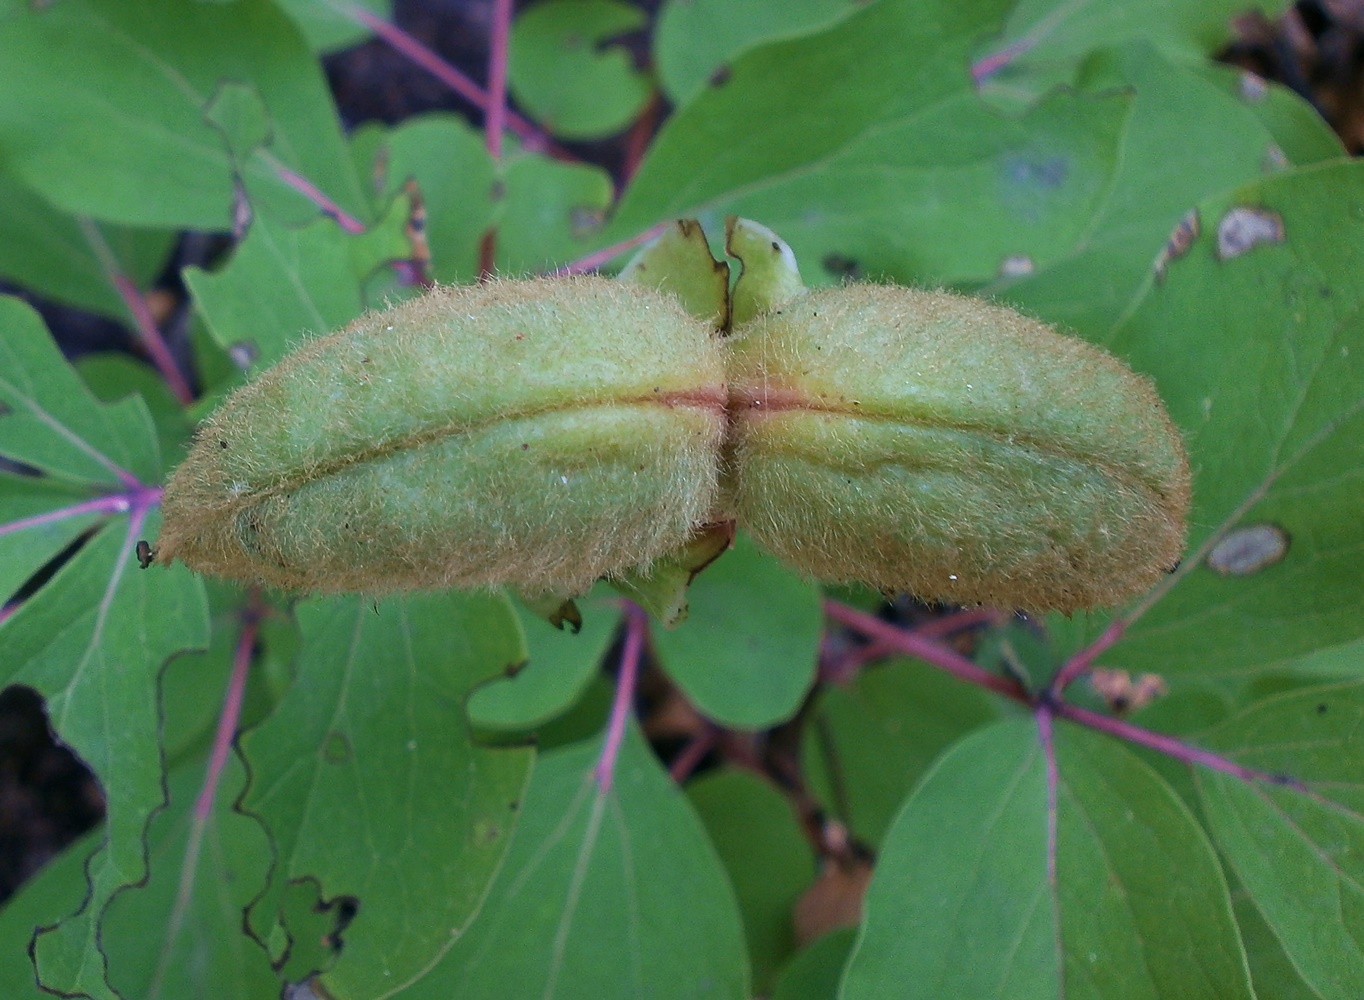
<point x="928" y="650"/>
<point x="692" y="754"/>
<point x="1167" y="745"/>
<point x="496" y="108"/>
<point x="114" y="503"/>
<point x="988" y="66"/>
<point x="148" y="333"/>
<point x="314" y="194"/>
<point x="203" y="806"/>
<point x="638" y="138"/>
<point x="531" y="137"/>
<point x="595" y="260"/>
<point x="232" y="709"/>
<point x="1083" y="661"/>
<point x="960" y="621"/>
<point x="636" y="626"/>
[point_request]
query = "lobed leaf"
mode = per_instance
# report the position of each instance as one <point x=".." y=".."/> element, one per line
<point x="1296" y="840"/>
<point x="135" y="82"/>
<point x="1258" y="349"/>
<point x="746" y="654"/>
<point x="51" y="253"/>
<point x="960" y="904"/>
<point x="1044" y="43"/>
<point x="369" y="784"/>
<point x="766" y="854"/>
<point x="871" y="741"/>
<point x="566" y="67"/>
<point x="606" y="892"/>
<point x="450" y="165"/>
<point x="694" y="40"/>
<point x="559" y="667"/>
<point x="1090" y="881"/>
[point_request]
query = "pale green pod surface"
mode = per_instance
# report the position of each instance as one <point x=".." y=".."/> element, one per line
<point x="931" y="443"/>
<point x="538" y="433"/>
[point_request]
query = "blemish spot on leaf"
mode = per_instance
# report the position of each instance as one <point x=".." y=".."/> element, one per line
<point x="1244" y="228"/>
<point x="1049" y="172"/>
<point x="336" y="749"/>
<point x="1253" y="88"/>
<point x="243" y="354"/>
<point x="1249" y="549"/>
<point x="720" y="77"/>
<point x="5" y="409"/>
<point x="584" y="220"/>
<point x="1274" y="160"/>
<point x="1015" y="266"/>
<point x="1181" y="239"/>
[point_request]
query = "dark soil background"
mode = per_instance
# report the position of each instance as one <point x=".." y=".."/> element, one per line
<point x="48" y="798"/>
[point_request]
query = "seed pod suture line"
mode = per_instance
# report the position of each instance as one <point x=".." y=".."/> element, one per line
<point x="541" y="433"/>
<point x="547" y="432"/>
<point x="928" y="442"/>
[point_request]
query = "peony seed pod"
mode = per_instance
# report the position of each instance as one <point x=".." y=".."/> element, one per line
<point x="539" y="433"/>
<point x="936" y="444"/>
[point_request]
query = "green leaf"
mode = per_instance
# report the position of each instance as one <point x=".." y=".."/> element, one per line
<point x="327" y="27"/>
<point x="550" y="213"/>
<point x="768" y="857"/>
<point x="114" y="376"/>
<point x="606" y="893"/>
<point x="1157" y="175"/>
<point x="873" y="740"/>
<point x="1045" y="42"/>
<point x="93" y="641"/>
<point x="54" y="891"/>
<point x="694" y="39"/>
<point x="849" y="150"/>
<point x="1260" y="358"/>
<point x="1144" y="908"/>
<point x="93" y="638"/>
<point x="1296" y="842"/>
<point x="565" y="71"/>
<point x="959" y="904"/>
<point x="746" y="654"/>
<point x="911" y="175"/>
<point x="449" y="162"/>
<point x="557" y="671"/>
<point x="1270" y="969"/>
<point x="368" y="782"/>
<point x="169" y="938"/>
<point x="50" y="421"/>
<point x="815" y="972"/>
<point x="1135" y="906"/>
<point x="283" y="283"/>
<point x="59" y="257"/>
<point x="1302" y="136"/>
<point x="134" y="82"/>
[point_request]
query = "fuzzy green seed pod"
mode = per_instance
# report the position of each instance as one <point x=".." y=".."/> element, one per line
<point x="539" y="433"/>
<point x="936" y="444"/>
